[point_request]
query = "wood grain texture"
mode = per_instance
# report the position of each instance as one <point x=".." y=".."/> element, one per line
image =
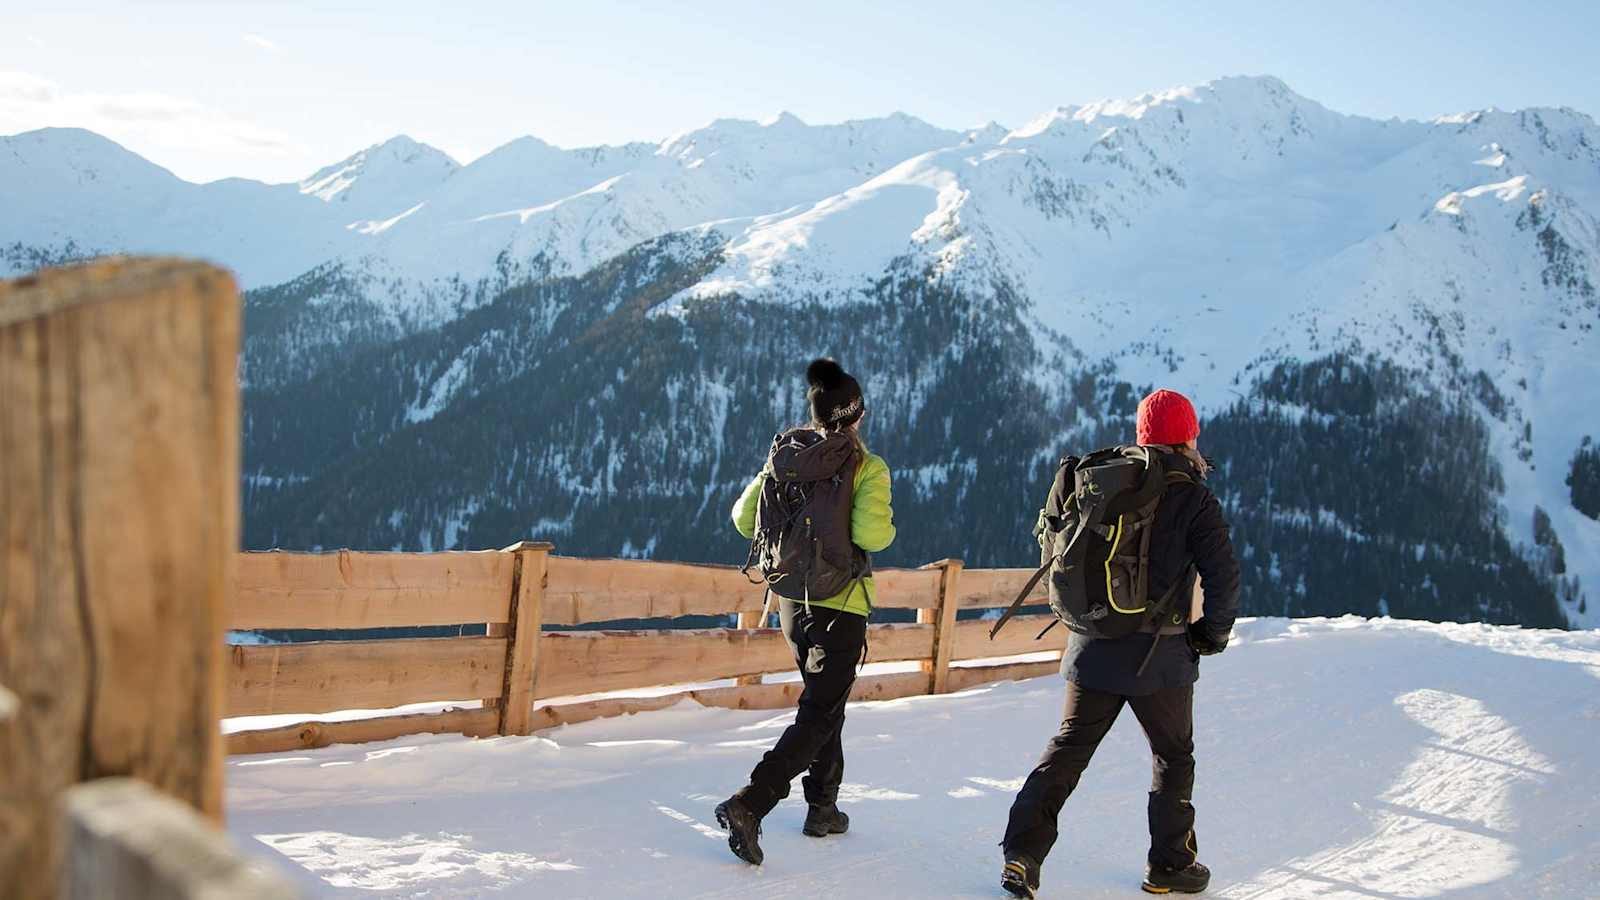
<point x="996" y="587"/>
<point x="781" y="696"/>
<point x="963" y="677"/>
<point x="943" y="618"/>
<point x="981" y="588"/>
<point x="604" y="590"/>
<point x="130" y="842"/>
<point x="972" y="637"/>
<point x="311" y="735"/>
<point x="119" y="474"/>
<point x="592" y="662"/>
<point x="906" y="588"/>
<point x="750" y="621"/>
<point x="527" y="622"/>
<point x="347" y="589"/>
<point x="760" y="696"/>
<point x="323" y="676"/>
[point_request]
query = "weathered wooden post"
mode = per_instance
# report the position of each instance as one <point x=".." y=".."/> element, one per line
<point x="522" y="632"/>
<point x="119" y="522"/>
<point x="127" y="841"/>
<point x="751" y="619"/>
<point x="943" y="618"/>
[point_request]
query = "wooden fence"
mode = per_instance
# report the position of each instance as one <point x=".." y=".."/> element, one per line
<point x="119" y="523"/>
<point x="520" y="671"/>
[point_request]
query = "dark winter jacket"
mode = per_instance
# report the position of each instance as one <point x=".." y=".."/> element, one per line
<point x="1190" y="527"/>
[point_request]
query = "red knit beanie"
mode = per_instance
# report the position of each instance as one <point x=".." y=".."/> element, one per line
<point x="1167" y="417"/>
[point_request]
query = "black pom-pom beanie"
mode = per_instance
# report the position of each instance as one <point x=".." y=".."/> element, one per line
<point x="834" y="396"/>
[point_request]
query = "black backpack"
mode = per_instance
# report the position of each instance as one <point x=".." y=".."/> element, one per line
<point x="802" y="543"/>
<point x="1094" y="542"/>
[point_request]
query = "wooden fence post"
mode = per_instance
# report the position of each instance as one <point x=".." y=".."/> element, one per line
<point x="749" y="620"/>
<point x="500" y="630"/>
<point x="119" y="529"/>
<point x="943" y="618"/>
<point x="129" y="842"/>
<point x="522" y="632"/>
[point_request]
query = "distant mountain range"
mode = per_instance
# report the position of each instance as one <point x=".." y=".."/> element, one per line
<point x="1389" y="326"/>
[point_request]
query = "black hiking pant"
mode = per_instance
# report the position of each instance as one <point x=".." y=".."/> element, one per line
<point x="1168" y="719"/>
<point x="828" y="645"/>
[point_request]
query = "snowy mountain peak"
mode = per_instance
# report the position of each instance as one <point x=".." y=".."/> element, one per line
<point x="1197" y="237"/>
<point x="897" y="131"/>
<point x="388" y="173"/>
<point x="783" y="119"/>
<point x="990" y="132"/>
<point x="78" y="155"/>
<point x="1237" y="101"/>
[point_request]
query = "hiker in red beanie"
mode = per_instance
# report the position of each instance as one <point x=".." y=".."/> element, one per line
<point x="1123" y="533"/>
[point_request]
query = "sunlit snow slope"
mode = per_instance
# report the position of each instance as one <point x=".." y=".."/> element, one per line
<point x="1337" y="758"/>
<point x="1383" y="317"/>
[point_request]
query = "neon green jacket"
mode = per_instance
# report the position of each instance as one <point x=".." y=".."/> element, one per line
<point x="871" y="526"/>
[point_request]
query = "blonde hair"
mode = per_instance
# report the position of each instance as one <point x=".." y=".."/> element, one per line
<point x="1187" y="452"/>
<point x="1193" y="456"/>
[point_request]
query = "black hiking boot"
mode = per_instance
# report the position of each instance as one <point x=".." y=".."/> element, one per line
<point x="1191" y="879"/>
<point x="744" y="830"/>
<point x="1020" y="876"/>
<point x="822" y="821"/>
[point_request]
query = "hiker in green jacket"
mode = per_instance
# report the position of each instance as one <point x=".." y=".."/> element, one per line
<point x="818" y="509"/>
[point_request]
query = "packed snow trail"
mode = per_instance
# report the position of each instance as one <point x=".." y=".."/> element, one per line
<point x="1336" y="758"/>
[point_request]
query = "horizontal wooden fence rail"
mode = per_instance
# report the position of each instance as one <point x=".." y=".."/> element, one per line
<point x="371" y="590"/>
<point x="520" y="671"/>
<point x="603" y="590"/>
<point x="324" y="676"/>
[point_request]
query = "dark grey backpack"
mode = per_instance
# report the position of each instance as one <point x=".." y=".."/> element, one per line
<point x="802" y="542"/>
<point x="1094" y="543"/>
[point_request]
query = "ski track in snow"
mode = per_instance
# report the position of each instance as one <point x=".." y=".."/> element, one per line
<point x="1338" y="758"/>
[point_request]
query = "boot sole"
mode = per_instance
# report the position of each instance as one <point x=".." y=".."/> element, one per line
<point x="1017" y="890"/>
<point x="744" y="851"/>
<point x="1016" y="887"/>
<point x="812" y="832"/>
<point x="1149" y="888"/>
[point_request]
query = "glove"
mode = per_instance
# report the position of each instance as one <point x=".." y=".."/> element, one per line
<point x="1204" y="641"/>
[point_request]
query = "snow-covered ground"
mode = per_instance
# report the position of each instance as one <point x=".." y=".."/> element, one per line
<point x="1337" y="758"/>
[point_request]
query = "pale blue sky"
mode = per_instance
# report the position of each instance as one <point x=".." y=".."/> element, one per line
<point x="275" y="90"/>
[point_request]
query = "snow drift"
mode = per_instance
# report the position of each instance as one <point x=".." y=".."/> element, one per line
<point x="1337" y="758"/>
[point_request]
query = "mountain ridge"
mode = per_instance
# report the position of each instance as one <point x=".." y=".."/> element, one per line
<point x="1284" y="264"/>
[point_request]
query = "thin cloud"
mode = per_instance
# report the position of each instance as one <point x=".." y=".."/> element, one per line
<point x="21" y="87"/>
<point x="35" y="40"/>
<point x="144" y="121"/>
<point x="145" y="106"/>
<point x="262" y="42"/>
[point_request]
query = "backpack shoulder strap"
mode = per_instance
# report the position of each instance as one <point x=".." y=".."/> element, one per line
<point x="1017" y="603"/>
<point x="1064" y="469"/>
<point x="1145" y="522"/>
<point x="1161" y="608"/>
